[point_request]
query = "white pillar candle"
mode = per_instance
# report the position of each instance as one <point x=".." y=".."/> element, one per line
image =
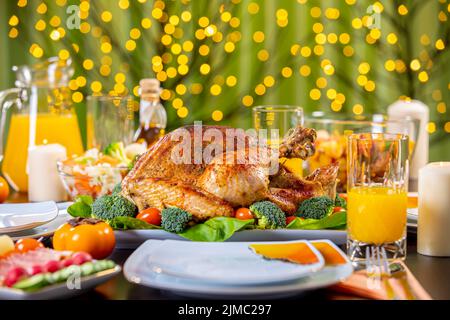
<point x="414" y="109"/>
<point x="44" y="183"/>
<point x="434" y="210"/>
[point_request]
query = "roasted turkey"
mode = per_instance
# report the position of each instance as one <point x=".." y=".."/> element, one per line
<point x="210" y="170"/>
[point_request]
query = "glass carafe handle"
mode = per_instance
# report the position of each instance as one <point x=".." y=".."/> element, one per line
<point x="8" y="98"/>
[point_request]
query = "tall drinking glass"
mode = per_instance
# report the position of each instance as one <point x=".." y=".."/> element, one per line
<point x="279" y="119"/>
<point x="109" y="119"/>
<point x="377" y="194"/>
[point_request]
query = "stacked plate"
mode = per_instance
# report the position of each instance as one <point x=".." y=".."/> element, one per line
<point x="228" y="270"/>
<point x="20" y="220"/>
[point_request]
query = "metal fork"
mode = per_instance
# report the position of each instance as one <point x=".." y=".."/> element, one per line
<point x="378" y="270"/>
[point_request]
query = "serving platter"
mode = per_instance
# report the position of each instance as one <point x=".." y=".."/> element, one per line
<point x="137" y="270"/>
<point x="131" y="239"/>
<point x="17" y="217"/>
<point x="61" y="290"/>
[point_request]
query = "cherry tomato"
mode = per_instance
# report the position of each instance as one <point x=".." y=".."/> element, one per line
<point x="150" y="215"/>
<point x="4" y="190"/>
<point x="52" y="266"/>
<point x="290" y="219"/>
<point x="338" y="209"/>
<point x="79" y="258"/>
<point x="25" y="245"/>
<point x="14" y="275"/>
<point x="343" y="196"/>
<point x="243" y="214"/>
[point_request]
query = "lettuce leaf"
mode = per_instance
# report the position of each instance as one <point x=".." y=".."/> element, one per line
<point x="336" y="220"/>
<point x="82" y="207"/>
<point x="216" y="229"/>
<point x="130" y="223"/>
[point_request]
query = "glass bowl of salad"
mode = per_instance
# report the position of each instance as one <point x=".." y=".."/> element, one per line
<point x="332" y="133"/>
<point x="96" y="173"/>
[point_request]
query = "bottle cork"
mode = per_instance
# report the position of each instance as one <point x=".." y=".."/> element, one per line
<point x="149" y="87"/>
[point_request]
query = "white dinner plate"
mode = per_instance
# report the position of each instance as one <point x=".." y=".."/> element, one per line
<point x="60" y="290"/>
<point x="226" y="263"/>
<point x="137" y="270"/>
<point x="16" y="217"/>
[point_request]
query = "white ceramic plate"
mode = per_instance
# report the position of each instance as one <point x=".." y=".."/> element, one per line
<point x="60" y="290"/>
<point x="226" y="263"/>
<point x="137" y="270"/>
<point x="131" y="239"/>
<point x="23" y="216"/>
<point x="43" y="230"/>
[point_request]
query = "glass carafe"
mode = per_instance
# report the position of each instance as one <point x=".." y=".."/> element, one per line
<point x="37" y="111"/>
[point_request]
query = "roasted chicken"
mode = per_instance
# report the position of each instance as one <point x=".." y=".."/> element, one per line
<point x="210" y="170"/>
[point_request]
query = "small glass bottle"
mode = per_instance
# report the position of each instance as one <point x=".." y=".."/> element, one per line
<point x="152" y="115"/>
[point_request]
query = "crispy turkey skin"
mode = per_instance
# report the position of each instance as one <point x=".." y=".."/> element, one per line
<point x="210" y="170"/>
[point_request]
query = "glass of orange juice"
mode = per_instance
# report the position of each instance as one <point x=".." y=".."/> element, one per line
<point x="377" y="187"/>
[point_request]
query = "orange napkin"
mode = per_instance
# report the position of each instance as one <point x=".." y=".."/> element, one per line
<point x="361" y="285"/>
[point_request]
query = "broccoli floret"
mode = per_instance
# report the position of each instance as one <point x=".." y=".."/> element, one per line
<point x="175" y="219"/>
<point x="108" y="207"/>
<point x="117" y="151"/>
<point x="340" y="202"/>
<point x="315" y="208"/>
<point x="269" y="215"/>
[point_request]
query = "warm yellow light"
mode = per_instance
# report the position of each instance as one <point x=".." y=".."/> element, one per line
<point x="263" y="55"/>
<point x="286" y="72"/>
<point x="423" y="76"/>
<point x="269" y="81"/>
<point x="235" y="22"/>
<point x="344" y="38"/>
<point x="348" y="51"/>
<point x="258" y="36"/>
<point x="392" y="38"/>
<point x="441" y="107"/>
<point x="186" y="16"/>
<point x="431" y="127"/>
<point x="332" y="37"/>
<point x="96" y="86"/>
<point x="105" y="70"/>
<point x="40" y="25"/>
<point x="22" y="3"/>
<point x="317" y="27"/>
<point x="13" y="21"/>
<point x="42" y="8"/>
<point x="260" y="89"/>
<point x="188" y="46"/>
<point x="177" y="103"/>
<point x="447" y="124"/>
<point x="389" y="65"/>
<point x="203" y="22"/>
<point x="176" y="48"/>
<point x="305" y="70"/>
<point x="295" y="49"/>
<point x="364" y="68"/>
<point x="225" y="16"/>
<point x="305" y="51"/>
<point x="146" y="23"/>
<point x="215" y="89"/>
<point x="183" y="69"/>
<point x="217" y="115"/>
<point x="321" y="82"/>
<point x="321" y="38"/>
<point x="328" y="69"/>
<point x="130" y="45"/>
<point x="253" y="8"/>
<point x="229" y="46"/>
<point x="135" y="33"/>
<point x="231" y="81"/>
<point x="370" y="86"/>
<point x="414" y="65"/>
<point x="88" y="64"/>
<point x="315" y="12"/>
<point x="77" y="97"/>
<point x="440" y="44"/>
<point x="165" y="94"/>
<point x="55" y="21"/>
<point x="357" y="23"/>
<point x="171" y="72"/>
<point x="157" y="13"/>
<point x="64" y="54"/>
<point x="13" y="33"/>
<point x="402" y="10"/>
<point x="315" y="94"/>
<point x="183" y="112"/>
<point x="205" y="68"/>
<point x="358" y="109"/>
<point x="166" y="39"/>
<point x="332" y="13"/>
<point x="247" y="100"/>
<point x="331" y="93"/>
<point x="182" y="59"/>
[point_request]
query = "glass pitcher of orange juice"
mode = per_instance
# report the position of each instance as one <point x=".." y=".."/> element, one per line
<point x="38" y="111"/>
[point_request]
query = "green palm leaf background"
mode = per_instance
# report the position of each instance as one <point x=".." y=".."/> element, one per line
<point x="217" y="59"/>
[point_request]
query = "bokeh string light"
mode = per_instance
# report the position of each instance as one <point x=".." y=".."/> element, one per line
<point x="216" y="61"/>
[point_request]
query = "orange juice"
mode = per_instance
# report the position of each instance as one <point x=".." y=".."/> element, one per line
<point x="376" y="215"/>
<point x="50" y="128"/>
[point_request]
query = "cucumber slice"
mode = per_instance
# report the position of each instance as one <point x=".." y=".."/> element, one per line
<point x="32" y="283"/>
<point x="87" y="269"/>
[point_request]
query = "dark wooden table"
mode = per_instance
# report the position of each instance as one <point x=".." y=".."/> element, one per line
<point x="433" y="273"/>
